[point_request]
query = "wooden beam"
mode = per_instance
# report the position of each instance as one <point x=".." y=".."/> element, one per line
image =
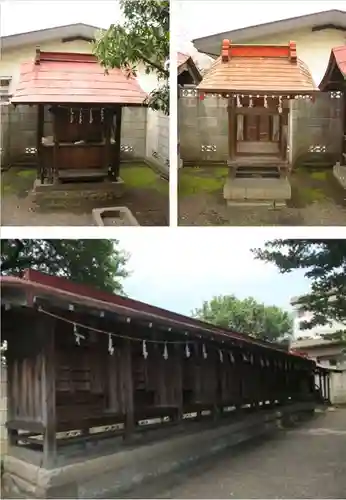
<point x="116" y="166"/>
<point x="39" y="135"/>
<point x="47" y="328"/>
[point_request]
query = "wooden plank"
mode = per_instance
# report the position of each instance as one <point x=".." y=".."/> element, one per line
<point x="47" y="327"/>
<point x="37" y="388"/>
<point x="25" y="425"/>
<point x="74" y="174"/>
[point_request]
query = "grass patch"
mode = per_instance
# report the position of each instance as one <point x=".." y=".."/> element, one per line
<point x="197" y="179"/>
<point x="143" y="177"/>
<point x="192" y="184"/>
<point x="311" y="195"/>
<point x="319" y="176"/>
<point x="26" y="174"/>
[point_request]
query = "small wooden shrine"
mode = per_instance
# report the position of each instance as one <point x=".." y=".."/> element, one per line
<point x="85" y="105"/>
<point x="334" y="81"/>
<point x="258" y="81"/>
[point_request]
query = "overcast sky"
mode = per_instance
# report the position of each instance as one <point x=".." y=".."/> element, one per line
<point x="20" y="16"/>
<point x="198" y="18"/>
<point x="178" y="269"/>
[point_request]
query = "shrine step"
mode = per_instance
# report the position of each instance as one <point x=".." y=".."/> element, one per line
<point x="82" y="175"/>
<point x="257" y="172"/>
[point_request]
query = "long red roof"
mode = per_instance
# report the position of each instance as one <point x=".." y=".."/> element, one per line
<point x="34" y="282"/>
<point x="58" y="77"/>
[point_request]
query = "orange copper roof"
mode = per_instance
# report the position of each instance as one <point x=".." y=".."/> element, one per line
<point x="57" y="77"/>
<point x="258" y="68"/>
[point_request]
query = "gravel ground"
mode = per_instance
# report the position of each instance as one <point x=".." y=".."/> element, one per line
<point x="19" y="208"/>
<point x="208" y="210"/>
<point x="308" y="461"/>
<point x="317" y="200"/>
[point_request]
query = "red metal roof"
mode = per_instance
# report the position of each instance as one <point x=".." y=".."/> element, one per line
<point x="182" y="58"/>
<point x="340" y="58"/>
<point x="258" y="68"/>
<point x="337" y="61"/>
<point x="34" y="282"/>
<point x="57" y="77"/>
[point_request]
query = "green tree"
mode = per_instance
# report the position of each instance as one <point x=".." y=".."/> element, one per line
<point x="324" y="262"/>
<point x="142" y="39"/>
<point x="99" y="263"/>
<point x="247" y="316"/>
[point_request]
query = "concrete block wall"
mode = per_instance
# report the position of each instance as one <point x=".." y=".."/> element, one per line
<point x="314" y="124"/>
<point x="203" y="127"/>
<point x="133" y="132"/>
<point x="205" y="123"/>
<point x="18" y="127"/>
<point x="338" y="387"/>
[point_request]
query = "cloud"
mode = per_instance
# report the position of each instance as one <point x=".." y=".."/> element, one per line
<point x="180" y="268"/>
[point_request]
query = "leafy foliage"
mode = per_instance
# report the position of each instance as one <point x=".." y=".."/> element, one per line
<point x="247" y="316"/>
<point x="325" y="265"/>
<point x="143" y="39"/>
<point x="98" y="263"/>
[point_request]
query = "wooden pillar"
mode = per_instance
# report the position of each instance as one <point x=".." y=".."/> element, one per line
<point x="107" y="131"/>
<point x="328" y="388"/>
<point x="39" y="135"/>
<point x="178" y="378"/>
<point x="284" y="133"/>
<point x="127" y="385"/>
<point x="54" y="171"/>
<point x="48" y="376"/>
<point x="116" y="166"/>
<point x="11" y="390"/>
<point x="232" y="124"/>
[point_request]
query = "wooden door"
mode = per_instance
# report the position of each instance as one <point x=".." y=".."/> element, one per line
<point x="258" y="133"/>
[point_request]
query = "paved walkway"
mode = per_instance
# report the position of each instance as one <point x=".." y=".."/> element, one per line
<point x="308" y="461"/>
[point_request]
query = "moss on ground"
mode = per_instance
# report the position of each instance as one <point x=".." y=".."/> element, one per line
<point x="20" y="181"/>
<point x="194" y="180"/>
<point x="142" y="176"/>
<point x="17" y="181"/>
<point x="319" y="176"/>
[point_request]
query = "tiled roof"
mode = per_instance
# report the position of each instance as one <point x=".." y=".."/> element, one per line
<point x="56" y="77"/>
<point x="258" y="68"/>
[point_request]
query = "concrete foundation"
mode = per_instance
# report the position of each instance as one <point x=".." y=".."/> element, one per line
<point x="80" y="189"/>
<point x="113" y="474"/>
<point x="339" y="172"/>
<point x="114" y="216"/>
<point x="257" y="191"/>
